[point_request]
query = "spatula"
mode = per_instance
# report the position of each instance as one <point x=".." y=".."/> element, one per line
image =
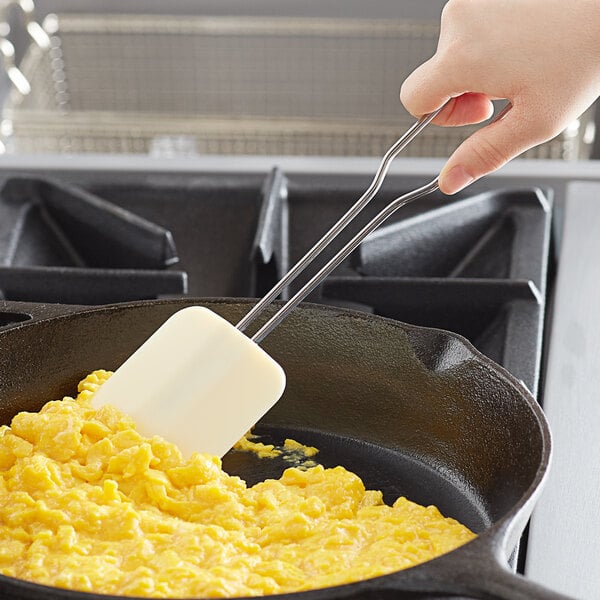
<point x="198" y="381"/>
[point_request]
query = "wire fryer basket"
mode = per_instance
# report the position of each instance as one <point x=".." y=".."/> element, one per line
<point x="230" y="85"/>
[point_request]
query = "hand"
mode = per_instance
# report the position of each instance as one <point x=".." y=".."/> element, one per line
<point x="541" y="55"/>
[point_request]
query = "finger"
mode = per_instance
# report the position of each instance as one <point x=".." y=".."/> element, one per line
<point x="427" y="88"/>
<point x="487" y="150"/>
<point x="466" y="109"/>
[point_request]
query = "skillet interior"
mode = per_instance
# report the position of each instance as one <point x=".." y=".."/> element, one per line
<point x="412" y="411"/>
<point x="393" y="472"/>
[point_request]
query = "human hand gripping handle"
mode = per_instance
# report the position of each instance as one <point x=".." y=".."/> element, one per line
<point x="543" y="56"/>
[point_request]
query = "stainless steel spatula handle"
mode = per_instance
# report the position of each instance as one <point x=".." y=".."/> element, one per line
<point x="387" y="212"/>
<point x="360" y="204"/>
<point x="340" y="225"/>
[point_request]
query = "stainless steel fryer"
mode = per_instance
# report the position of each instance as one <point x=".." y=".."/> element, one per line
<point x="228" y="85"/>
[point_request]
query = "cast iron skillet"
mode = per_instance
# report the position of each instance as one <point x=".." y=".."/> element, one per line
<point x="414" y="411"/>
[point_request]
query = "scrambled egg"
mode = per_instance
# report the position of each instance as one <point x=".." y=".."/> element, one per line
<point x="292" y="452"/>
<point x="86" y="503"/>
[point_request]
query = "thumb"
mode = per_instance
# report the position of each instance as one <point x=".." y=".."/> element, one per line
<point x="488" y="149"/>
<point x="424" y="90"/>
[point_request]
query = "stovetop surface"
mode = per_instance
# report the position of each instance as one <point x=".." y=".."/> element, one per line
<point x="480" y="264"/>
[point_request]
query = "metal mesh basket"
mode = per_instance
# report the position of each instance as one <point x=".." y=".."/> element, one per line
<point x="230" y="85"/>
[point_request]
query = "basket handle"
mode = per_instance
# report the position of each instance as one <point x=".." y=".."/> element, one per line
<point x="7" y="50"/>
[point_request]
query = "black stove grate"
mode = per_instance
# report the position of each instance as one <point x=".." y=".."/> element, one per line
<point x="59" y="243"/>
<point x="475" y="264"/>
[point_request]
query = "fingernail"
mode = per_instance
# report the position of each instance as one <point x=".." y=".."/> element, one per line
<point x="456" y="179"/>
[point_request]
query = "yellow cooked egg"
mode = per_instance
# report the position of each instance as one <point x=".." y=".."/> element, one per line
<point x="89" y="504"/>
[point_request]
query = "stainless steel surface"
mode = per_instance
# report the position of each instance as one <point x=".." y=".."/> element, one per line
<point x="341" y="224"/>
<point x="564" y="538"/>
<point x="375" y="9"/>
<point x="551" y="172"/>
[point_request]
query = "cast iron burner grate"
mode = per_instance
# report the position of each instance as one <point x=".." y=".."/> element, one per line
<point x="473" y="264"/>
<point x="59" y="243"/>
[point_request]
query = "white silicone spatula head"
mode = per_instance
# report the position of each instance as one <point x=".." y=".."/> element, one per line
<point x="197" y="381"/>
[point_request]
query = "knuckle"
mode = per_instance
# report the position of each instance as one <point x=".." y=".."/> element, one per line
<point x="489" y="155"/>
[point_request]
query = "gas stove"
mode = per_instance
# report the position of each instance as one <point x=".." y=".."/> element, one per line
<point x="93" y="230"/>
